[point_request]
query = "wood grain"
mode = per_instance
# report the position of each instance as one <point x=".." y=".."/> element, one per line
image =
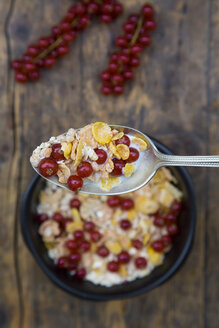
<point x="174" y="97"/>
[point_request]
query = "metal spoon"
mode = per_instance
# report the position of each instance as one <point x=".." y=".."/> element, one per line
<point x="149" y="162"/>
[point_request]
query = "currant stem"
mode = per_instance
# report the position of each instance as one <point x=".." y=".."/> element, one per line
<point x="137" y="31"/>
<point x="54" y="45"/>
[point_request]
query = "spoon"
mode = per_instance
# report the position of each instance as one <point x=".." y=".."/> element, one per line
<point x="149" y="162"/>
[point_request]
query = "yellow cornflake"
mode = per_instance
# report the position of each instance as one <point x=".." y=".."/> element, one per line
<point x="113" y="222"/>
<point x="118" y="136"/>
<point x="145" y="205"/>
<point x="128" y="169"/>
<point x="79" y="153"/>
<point x="123" y="271"/>
<point x="75" y="214"/>
<point x="146" y="238"/>
<point x="113" y="150"/>
<point x="114" y="247"/>
<point x="117" y="213"/>
<point x="141" y="144"/>
<point x="131" y="214"/>
<point x="49" y="245"/>
<point x="127" y="244"/>
<point x="154" y="257"/>
<point x="93" y="247"/>
<point x="106" y="185"/>
<point x="102" y="132"/>
<point x="71" y="227"/>
<point x="166" y="197"/>
<point x="42" y="196"/>
<point x="67" y="150"/>
<point x="123" y="151"/>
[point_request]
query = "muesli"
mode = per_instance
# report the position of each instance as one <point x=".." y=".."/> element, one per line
<point x="95" y="152"/>
<point x="110" y="240"/>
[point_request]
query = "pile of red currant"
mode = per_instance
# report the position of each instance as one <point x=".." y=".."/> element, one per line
<point x="47" y="50"/>
<point x="136" y="37"/>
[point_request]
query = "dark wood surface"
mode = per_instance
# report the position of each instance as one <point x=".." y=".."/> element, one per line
<point x="174" y="97"/>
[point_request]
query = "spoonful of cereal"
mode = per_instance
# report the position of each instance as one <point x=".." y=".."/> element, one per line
<point x="105" y="159"/>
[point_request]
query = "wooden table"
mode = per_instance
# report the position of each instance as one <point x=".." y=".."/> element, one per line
<point x="174" y="97"/>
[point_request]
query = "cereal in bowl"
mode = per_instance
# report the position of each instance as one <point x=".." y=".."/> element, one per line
<point x="110" y="240"/>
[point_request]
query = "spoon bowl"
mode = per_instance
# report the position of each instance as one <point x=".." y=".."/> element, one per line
<point x="149" y="162"/>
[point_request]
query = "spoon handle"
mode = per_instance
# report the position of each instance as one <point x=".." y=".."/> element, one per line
<point x="173" y="160"/>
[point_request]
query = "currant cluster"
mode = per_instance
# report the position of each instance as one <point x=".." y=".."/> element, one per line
<point x="47" y="50"/>
<point x="136" y="37"/>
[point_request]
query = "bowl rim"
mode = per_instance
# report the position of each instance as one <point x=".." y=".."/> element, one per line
<point x="107" y="297"/>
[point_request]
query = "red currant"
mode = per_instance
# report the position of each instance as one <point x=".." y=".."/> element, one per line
<point x="133" y="156"/>
<point x="81" y="273"/>
<point x="71" y="244"/>
<point x="43" y="43"/>
<point x="95" y="236"/>
<point x="150" y="25"/>
<point x="170" y="218"/>
<point x="147" y="11"/>
<point x="102" y="156"/>
<point x="63" y="50"/>
<point x="62" y="262"/>
<point x="34" y="76"/>
<point x="32" y="50"/>
<point x="114" y="201"/>
<point x="42" y="218"/>
<point x="159" y="221"/>
<point x="74" y="182"/>
<point x="176" y="207"/>
<point x="113" y="266"/>
<point x="57" y="153"/>
<point x="78" y="234"/>
<point x="103" y="251"/>
<point x="56" y="31"/>
<point x="128" y="74"/>
<point x="17" y="64"/>
<point x="105" y="76"/>
<point x="121" y="42"/>
<point x="118" y="89"/>
<point x="89" y="226"/>
<point x="106" y="90"/>
<point x="118" y="166"/>
<point x="106" y="18"/>
<point x="75" y="257"/>
<point x="140" y="262"/>
<point x="123" y="257"/>
<point x="58" y="217"/>
<point x="136" y="49"/>
<point x="167" y="240"/>
<point x="145" y="40"/>
<point x="127" y="204"/>
<point x="137" y="243"/>
<point x="113" y="66"/>
<point x="29" y="66"/>
<point x="84" y="246"/>
<point x="129" y="27"/>
<point x="48" y="167"/>
<point x="21" y="77"/>
<point x="158" y="245"/>
<point x="173" y="229"/>
<point x="133" y="18"/>
<point x="84" y="169"/>
<point x="125" y="224"/>
<point x="134" y="62"/>
<point x="75" y="203"/>
<point x="124" y="140"/>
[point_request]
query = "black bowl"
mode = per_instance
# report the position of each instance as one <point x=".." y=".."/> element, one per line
<point x="87" y="290"/>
